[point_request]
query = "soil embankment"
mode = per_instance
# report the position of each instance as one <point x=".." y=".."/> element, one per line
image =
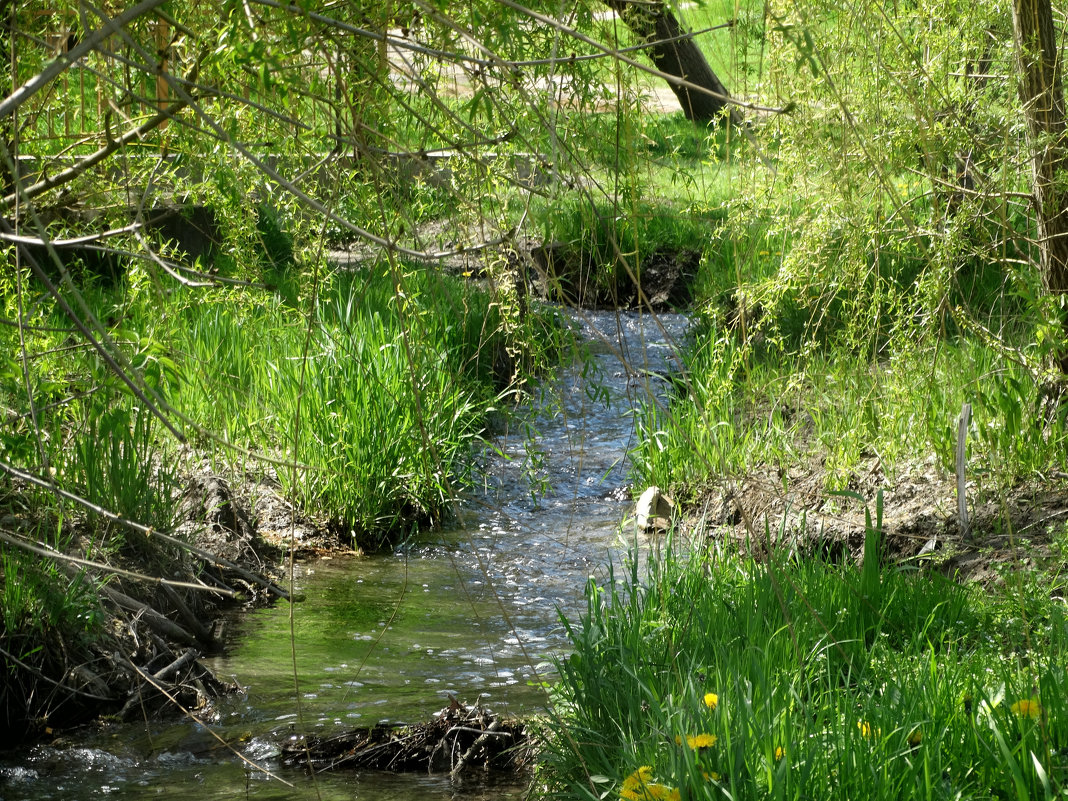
<point x="1008" y="530"/>
<point x="157" y="602"/>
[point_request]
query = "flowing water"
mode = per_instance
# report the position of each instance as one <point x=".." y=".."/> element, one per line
<point x="475" y="616"/>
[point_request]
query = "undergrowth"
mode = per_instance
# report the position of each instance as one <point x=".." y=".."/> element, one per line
<point x="372" y="400"/>
<point x="713" y="675"/>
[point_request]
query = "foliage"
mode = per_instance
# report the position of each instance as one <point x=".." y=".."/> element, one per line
<point x="867" y="265"/>
<point x="743" y="405"/>
<point x="823" y="682"/>
<point x="373" y="402"/>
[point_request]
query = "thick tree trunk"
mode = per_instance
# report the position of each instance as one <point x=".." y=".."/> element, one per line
<point x="1042" y="95"/>
<point x="675" y="53"/>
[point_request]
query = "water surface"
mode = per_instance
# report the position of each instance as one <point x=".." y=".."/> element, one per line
<point x="472" y="613"/>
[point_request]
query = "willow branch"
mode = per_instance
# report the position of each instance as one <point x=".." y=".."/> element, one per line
<point x="69" y="174"/>
<point x="50" y="553"/>
<point x="64" y="62"/>
<point x="143" y="529"/>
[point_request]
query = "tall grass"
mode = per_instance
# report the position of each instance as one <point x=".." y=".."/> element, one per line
<point x="372" y="398"/>
<point x="729" y="678"/>
<point x="740" y="408"/>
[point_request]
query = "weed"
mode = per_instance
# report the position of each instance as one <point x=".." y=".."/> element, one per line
<point x="825" y="676"/>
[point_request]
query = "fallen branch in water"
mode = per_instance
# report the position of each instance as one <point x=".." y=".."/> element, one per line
<point x="456" y="740"/>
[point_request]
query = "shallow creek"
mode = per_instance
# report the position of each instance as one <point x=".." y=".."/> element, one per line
<point x="473" y="613"/>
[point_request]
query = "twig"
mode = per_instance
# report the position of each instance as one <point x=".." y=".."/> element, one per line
<point x="62" y="64"/>
<point x="19" y="239"/>
<point x="18" y="542"/>
<point x="185" y="659"/>
<point x="154" y="619"/>
<point x="489" y="732"/>
<point x="69" y="174"/>
<point x="200" y="631"/>
<point x="207" y="556"/>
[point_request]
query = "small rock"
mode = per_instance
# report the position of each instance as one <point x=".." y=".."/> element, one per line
<point x="653" y="510"/>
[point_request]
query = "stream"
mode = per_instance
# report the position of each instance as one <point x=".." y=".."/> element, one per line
<point x="473" y="613"/>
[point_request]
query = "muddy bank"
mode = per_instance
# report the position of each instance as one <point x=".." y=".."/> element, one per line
<point x="157" y="602"/>
<point x="659" y="280"/>
<point x="1009" y="530"/>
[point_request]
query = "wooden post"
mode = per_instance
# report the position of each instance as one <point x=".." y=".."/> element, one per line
<point x="962" y="455"/>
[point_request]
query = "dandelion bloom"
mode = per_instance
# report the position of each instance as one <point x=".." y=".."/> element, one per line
<point x="660" y="792"/>
<point x="711" y="700"/>
<point x="710" y="776"/>
<point x="639" y="777"/>
<point x="1025" y="708"/>
<point x="638" y="787"/>
<point x="634" y="785"/>
<point x="866" y="730"/>
<point x="696" y="741"/>
<point x="780" y="752"/>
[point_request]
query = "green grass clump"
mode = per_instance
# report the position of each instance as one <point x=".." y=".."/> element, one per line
<point x="715" y="676"/>
<point x="372" y="401"/>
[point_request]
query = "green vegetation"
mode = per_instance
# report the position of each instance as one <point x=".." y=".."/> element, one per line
<point x="377" y="416"/>
<point x="721" y="676"/>
<point x="737" y="411"/>
<point x="864" y="256"/>
<point x="368" y="407"/>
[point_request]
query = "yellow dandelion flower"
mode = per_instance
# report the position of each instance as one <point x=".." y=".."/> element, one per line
<point x="866" y="729"/>
<point x="915" y="738"/>
<point x="711" y="776"/>
<point x="639" y="787"/>
<point x="711" y="700"/>
<point x="697" y="741"/>
<point x="780" y="752"/>
<point x="661" y="792"/>
<point x="638" y="778"/>
<point x="1027" y="708"/>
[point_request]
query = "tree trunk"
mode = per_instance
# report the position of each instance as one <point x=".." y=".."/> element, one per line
<point x="7" y="84"/>
<point x="1042" y="96"/>
<point x="675" y="53"/>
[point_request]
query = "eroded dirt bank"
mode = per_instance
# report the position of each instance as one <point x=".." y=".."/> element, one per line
<point x="157" y="602"/>
<point x="1009" y="530"/>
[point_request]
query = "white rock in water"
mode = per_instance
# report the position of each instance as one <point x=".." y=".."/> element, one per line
<point x="653" y="510"/>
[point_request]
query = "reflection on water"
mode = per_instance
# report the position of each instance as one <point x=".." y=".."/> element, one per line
<point x="474" y="615"/>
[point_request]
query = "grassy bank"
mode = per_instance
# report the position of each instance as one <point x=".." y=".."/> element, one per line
<point x="365" y="402"/>
<point x="715" y="676"/>
<point x="360" y="404"/>
<point x="372" y="399"/>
